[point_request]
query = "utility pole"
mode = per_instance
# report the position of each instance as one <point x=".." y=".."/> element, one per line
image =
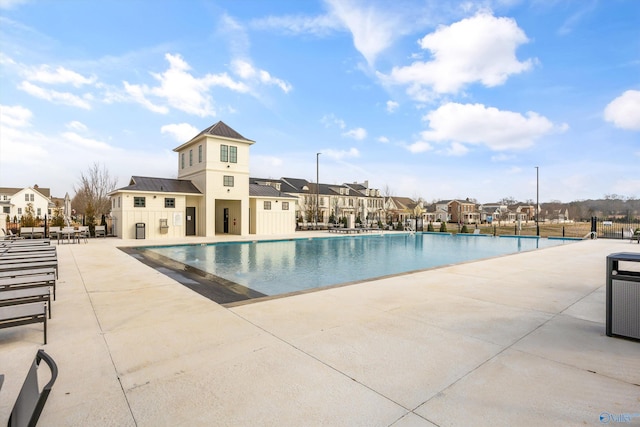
<point x="317" y="187"/>
<point x="537" y="202"/>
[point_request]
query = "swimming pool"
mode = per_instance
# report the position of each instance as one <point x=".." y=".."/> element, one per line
<point x="278" y="267"/>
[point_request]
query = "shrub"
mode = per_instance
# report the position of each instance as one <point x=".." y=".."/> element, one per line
<point x="430" y="227"/>
<point x="464" y="229"/>
<point x="443" y="227"/>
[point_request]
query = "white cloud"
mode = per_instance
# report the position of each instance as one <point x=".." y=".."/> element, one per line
<point x="321" y="25"/>
<point x="477" y="49"/>
<point x="460" y="124"/>
<point x="356" y="133"/>
<point x="181" y="90"/>
<point x="61" y="75"/>
<point x="76" y="126"/>
<point x="246" y="71"/>
<point x="10" y="4"/>
<point x="392" y="106"/>
<point x="137" y="94"/>
<point x="624" y="111"/>
<point x="383" y="139"/>
<point x="456" y="149"/>
<point x="14" y="116"/>
<point x="61" y="156"/>
<point x="373" y="29"/>
<point x="419" y="147"/>
<point x="341" y="154"/>
<point x="87" y="143"/>
<point x="64" y="98"/>
<point x="329" y="120"/>
<point x="181" y="132"/>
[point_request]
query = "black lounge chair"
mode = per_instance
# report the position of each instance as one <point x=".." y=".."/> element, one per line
<point x="31" y="400"/>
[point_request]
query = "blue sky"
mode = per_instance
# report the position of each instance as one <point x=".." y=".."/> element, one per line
<point x="425" y="98"/>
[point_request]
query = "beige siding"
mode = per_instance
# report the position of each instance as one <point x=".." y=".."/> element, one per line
<point x="275" y="220"/>
<point x="127" y="215"/>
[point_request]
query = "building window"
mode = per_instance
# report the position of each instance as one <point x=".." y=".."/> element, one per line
<point x="182" y="161"/>
<point x="227" y="181"/>
<point x="199" y="153"/>
<point x="39" y="212"/>
<point x="6" y="209"/>
<point x="267" y="206"/>
<point x="139" y="202"/>
<point x="228" y="154"/>
<point x="169" y="202"/>
<point x="190" y="157"/>
<point x="19" y="211"/>
<point x="285" y="206"/>
<point x="26" y="197"/>
<point x="118" y="201"/>
<point x="31" y="197"/>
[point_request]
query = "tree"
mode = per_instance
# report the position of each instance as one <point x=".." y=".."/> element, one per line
<point x="58" y="216"/>
<point x="28" y="219"/>
<point x="92" y="191"/>
<point x="387" y="193"/>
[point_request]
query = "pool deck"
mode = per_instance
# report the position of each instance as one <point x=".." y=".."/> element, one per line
<point x="514" y="340"/>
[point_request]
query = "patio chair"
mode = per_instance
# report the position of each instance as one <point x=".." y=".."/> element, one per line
<point x="100" y="231"/>
<point x="83" y="233"/>
<point x="54" y="232"/>
<point x="31" y="400"/>
<point x="12" y="235"/>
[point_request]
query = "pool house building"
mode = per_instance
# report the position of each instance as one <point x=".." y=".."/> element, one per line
<point x="211" y="195"/>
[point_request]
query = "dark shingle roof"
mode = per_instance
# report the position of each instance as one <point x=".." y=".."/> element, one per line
<point x="160" y="185"/>
<point x="223" y="130"/>
<point x="257" y="190"/>
<point x="296" y="183"/>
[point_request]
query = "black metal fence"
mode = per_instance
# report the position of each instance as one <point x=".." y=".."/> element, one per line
<point x="611" y="229"/>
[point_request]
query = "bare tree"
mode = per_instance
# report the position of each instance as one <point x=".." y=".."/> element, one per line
<point x="91" y="193"/>
<point x="387" y="193"/>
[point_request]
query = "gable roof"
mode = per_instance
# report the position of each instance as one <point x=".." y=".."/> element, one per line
<point x="257" y="190"/>
<point x="285" y="187"/>
<point x="160" y="185"/>
<point x="10" y="191"/>
<point x="297" y="184"/>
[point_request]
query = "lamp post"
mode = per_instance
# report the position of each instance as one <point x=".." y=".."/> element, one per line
<point x="317" y="187"/>
<point x="537" y="202"/>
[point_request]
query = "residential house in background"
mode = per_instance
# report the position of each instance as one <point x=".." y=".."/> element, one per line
<point x="14" y="202"/>
<point x="330" y="201"/>
<point x="460" y="211"/>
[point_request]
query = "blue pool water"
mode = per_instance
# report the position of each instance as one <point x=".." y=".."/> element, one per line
<point x="277" y="267"/>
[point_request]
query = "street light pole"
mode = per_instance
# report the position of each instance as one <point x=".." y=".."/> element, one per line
<point x="317" y="187"/>
<point x="537" y="202"/>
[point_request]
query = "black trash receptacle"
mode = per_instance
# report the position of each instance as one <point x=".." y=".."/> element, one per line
<point x="140" y="230"/>
<point x="623" y="295"/>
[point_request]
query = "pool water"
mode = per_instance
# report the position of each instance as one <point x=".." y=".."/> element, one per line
<point x="277" y="267"/>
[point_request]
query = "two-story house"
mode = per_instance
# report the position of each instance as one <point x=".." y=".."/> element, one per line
<point x="14" y="202"/>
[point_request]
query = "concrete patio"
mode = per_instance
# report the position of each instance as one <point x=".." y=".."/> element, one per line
<point x="515" y="340"/>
